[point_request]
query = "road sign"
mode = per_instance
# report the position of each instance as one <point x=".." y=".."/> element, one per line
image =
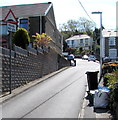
<point x="10" y="18"/>
<point x="11" y="27"/>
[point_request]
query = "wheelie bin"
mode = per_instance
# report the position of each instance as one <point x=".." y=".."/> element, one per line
<point x="92" y="79"/>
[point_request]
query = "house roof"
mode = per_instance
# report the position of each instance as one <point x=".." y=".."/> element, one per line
<point x="77" y="37"/>
<point x="27" y="10"/>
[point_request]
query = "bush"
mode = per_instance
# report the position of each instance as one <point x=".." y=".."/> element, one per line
<point x="109" y="67"/>
<point x="41" y="40"/>
<point x="113" y="103"/>
<point x="111" y="78"/>
<point x="21" y="38"/>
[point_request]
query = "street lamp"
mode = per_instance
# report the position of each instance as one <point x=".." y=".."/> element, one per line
<point x="101" y="41"/>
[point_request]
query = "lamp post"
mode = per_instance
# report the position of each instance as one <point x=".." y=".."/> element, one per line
<point x="101" y="41"/>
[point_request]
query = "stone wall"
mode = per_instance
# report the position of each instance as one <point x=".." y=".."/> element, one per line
<point x="28" y="65"/>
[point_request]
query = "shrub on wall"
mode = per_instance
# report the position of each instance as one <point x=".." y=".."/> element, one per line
<point x="21" y="38"/>
<point x="41" y="40"/>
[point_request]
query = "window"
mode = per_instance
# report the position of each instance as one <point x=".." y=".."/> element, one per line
<point x="112" y="41"/>
<point x="76" y="43"/>
<point x="86" y="41"/>
<point x="68" y="42"/>
<point x="112" y="52"/>
<point x="81" y="40"/>
<point x="24" y="24"/>
<point x="72" y="43"/>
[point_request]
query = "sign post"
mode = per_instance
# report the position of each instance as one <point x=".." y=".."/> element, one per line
<point x="10" y="65"/>
<point x="11" y="21"/>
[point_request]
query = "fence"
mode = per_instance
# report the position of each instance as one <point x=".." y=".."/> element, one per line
<point x="28" y="65"/>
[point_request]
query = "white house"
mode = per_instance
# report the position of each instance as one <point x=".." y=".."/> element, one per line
<point x="77" y="41"/>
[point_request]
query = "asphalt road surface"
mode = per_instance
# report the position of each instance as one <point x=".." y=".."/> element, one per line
<point x="60" y="96"/>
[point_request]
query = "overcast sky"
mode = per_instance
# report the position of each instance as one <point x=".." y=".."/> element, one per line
<point x="71" y="9"/>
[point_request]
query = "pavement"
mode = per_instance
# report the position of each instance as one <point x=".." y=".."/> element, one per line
<point x="89" y="112"/>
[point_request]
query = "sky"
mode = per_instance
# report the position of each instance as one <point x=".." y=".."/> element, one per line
<point x="65" y="10"/>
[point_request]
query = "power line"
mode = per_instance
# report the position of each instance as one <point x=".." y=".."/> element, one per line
<point x="85" y="10"/>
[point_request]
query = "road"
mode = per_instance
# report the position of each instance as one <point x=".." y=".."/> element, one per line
<point x="60" y="96"/>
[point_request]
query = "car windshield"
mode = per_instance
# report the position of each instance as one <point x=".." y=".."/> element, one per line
<point x="92" y="56"/>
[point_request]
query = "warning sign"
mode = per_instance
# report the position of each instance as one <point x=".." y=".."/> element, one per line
<point x="10" y="18"/>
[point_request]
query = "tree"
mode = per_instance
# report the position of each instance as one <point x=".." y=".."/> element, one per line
<point x="21" y="38"/>
<point x="96" y="40"/>
<point x="74" y="27"/>
<point x="69" y="28"/>
<point x="86" y="24"/>
<point x="41" y="40"/>
<point x="96" y="36"/>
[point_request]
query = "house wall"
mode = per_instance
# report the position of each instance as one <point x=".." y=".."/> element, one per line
<point x="28" y="65"/>
<point x="77" y="43"/>
<point x="107" y="47"/>
<point x="52" y="31"/>
<point x="34" y="25"/>
<point x="55" y="35"/>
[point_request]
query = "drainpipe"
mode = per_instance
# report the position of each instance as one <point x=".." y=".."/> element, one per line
<point x="40" y="24"/>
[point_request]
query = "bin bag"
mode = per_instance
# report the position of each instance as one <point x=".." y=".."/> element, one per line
<point x="101" y="99"/>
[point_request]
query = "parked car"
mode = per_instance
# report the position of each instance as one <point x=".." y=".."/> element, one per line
<point x="92" y="58"/>
<point x="85" y="57"/>
<point x="70" y="57"/>
<point x="106" y="59"/>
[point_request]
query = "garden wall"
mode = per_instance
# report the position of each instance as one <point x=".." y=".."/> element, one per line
<point x="28" y="65"/>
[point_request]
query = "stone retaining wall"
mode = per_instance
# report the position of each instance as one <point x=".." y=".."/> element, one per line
<point x="28" y="65"/>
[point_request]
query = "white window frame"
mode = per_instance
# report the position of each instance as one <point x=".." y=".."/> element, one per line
<point x="19" y="22"/>
<point x="113" y="53"/>
<point x="112" y="41"/>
